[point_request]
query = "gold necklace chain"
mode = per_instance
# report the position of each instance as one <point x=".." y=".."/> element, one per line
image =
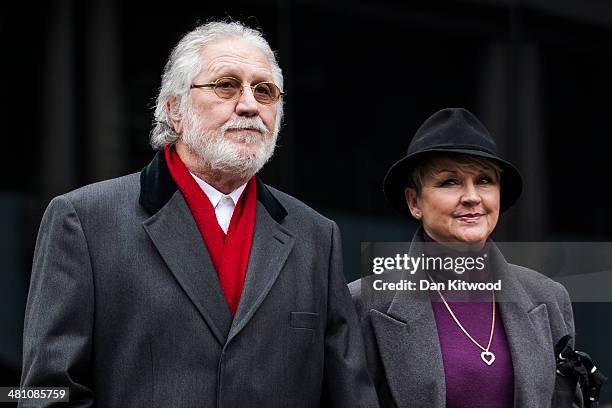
<point x="487" y="356"/>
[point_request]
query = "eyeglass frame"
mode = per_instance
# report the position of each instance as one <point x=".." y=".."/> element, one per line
<point x="214" y="84"/>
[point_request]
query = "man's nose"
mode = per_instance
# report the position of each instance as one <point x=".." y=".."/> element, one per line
<point x="247" y="105"/>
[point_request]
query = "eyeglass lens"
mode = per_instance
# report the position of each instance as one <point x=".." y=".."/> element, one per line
<point x="263" y="92"/>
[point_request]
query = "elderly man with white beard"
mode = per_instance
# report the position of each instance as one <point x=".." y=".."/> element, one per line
<point x="193" y="283"/>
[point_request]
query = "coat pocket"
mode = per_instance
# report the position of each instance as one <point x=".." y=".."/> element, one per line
<point x="304" y="320"/>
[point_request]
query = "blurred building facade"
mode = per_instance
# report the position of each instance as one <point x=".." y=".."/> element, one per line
<point x="80" y="79"/>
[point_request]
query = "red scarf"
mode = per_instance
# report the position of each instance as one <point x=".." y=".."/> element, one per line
<point x="229" y="254"/>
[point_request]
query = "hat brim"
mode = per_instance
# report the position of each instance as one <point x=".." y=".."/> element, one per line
<point x="397" y="178"/>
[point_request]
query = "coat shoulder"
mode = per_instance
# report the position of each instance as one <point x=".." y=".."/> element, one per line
<point x="109" y="196"/>
<point x="536" y="282"/>
<point x="539" y="286"/>
<point x="116" y="188"/>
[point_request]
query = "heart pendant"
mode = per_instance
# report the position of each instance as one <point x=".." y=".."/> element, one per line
<point x="487" y="357"/>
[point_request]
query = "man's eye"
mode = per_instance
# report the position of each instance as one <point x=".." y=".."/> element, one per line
<point x="227" y="84"/>
<point x="263" y="89"/>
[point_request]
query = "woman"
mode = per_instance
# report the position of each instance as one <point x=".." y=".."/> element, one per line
<point x="430" y="348"/>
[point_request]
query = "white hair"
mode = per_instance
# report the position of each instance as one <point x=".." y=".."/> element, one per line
<point x="185" y="63"/>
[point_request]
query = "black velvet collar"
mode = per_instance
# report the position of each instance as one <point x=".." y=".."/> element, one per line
<point x="157" y="187"/>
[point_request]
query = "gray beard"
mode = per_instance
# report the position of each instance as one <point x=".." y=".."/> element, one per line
<point x="217" y="154"/>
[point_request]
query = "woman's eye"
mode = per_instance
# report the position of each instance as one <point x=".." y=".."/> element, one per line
<point x="449" y="182"/>
<point x="486" y="180"/>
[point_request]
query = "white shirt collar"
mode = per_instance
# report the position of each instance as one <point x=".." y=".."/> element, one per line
<point x="215" y="195"/>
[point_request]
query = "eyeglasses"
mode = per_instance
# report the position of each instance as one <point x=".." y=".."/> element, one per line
<point x="265" y="93"/>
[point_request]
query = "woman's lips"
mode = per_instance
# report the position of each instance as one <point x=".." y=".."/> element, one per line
<point x="470" y="218"/>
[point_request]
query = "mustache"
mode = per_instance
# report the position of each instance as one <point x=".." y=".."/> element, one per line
<point x="245" y="123"/>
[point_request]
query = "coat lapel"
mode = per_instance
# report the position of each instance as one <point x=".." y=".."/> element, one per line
<point x="271" y="246"/>
<point x="175" y="235"/>
<point x="408" y="343"/>
<point x="528" y="334"/>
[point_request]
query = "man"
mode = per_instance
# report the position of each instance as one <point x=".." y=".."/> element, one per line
<point x="193" y="283"/>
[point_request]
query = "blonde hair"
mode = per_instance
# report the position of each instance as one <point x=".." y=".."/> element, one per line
<point x="427" y="166"/>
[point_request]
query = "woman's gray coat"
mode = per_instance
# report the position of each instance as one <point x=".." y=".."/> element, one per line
<point x="403" y="349"/>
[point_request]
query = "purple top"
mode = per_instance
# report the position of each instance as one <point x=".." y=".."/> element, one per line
<point x="470" y="383"/>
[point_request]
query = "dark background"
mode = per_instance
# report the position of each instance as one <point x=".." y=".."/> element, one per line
<point x="80" y="78"/>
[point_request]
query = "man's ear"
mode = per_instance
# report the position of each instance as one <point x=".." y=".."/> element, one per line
<point x="413" y="203"/>
<point x="175" y="118"/>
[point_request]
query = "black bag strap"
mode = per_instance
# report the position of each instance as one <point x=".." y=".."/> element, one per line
<point x="580" y="366"/>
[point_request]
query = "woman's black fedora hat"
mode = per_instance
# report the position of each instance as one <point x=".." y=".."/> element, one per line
<point x="455" y="131"/>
